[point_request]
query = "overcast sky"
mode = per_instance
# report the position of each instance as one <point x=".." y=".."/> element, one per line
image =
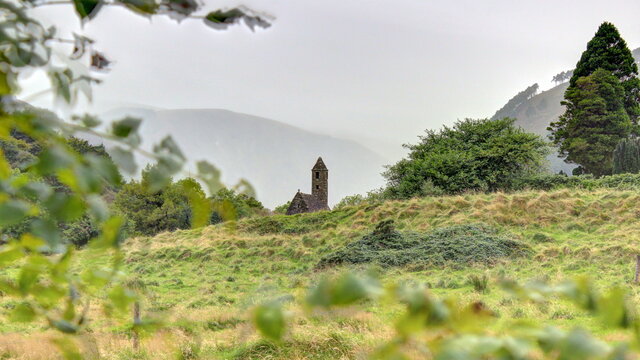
<point x="361" y="69"/>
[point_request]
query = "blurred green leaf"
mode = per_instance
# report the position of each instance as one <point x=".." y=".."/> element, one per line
<point x="345" y="290"/>
<point x="5" y="168"/>
<point x="47" y="229"/>
<point x="70" y="311"/>
<point x="87" y="9"/>
<point x="31" y="242"/>
<point x="121" y="297"/>
<point x="124" y="159"/>
<point x="169" y="146"/>
<point x="269" y="319"/>
<point x="61" y="79"/>
<point x="28" y="276"/>
<point x="52" y="159"/>
<point x="244" y="187"/>
<point x="614" y="310"/>
<point x="87" y="120"/>
<point x="12" y="212"/>
<point x="210" y="175"/>
<point x="65" y="207"/>
<point x="111" y="233"/>
<point x="144" y="7"/>
<point x="10" y="253"/>
<point x="5" y="83"/>
<point x="579" y="345"/>
<point x="222" y="19"/>
<point x="23" y="312"/>
<point x="106" y="168"/>
<point x="125" y="127"/>
<point x="98" y="207"/>
<point x="201" y="207"/>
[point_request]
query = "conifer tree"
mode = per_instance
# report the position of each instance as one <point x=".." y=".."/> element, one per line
<point x="594" y="123"/>
<point x="626" y="156"/>
<point x="608" y="50"/>
<point x="602" y="103"/>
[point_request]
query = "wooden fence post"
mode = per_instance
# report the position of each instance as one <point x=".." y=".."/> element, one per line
<point x="637" y="277"/>
<point x="136" y="321"/>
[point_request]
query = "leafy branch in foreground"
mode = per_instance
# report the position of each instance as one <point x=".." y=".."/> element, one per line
<point x="55" y="183"/>
<point x="447" y="329"/>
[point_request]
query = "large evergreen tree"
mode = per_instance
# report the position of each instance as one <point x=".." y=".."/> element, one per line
<point x="595" y="121"/>
<point x="602" y="103"/>
<point x="608" y="50"/>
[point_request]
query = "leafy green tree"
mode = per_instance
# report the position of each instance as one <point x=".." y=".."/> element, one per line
<point x="154" y="211"/>
<point x="607" y="50"/>
<point x="594" y="122"/>
<point x="227" y="204"/>
<point x="282" y="209"/>
<point x="473" y="155"/>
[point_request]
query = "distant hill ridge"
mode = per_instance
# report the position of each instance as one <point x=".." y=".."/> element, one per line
<point x="535" y="111"/>
<point x="275" y="157"/>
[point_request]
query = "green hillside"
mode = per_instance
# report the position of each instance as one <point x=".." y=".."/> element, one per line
<point x="203" y="282"/>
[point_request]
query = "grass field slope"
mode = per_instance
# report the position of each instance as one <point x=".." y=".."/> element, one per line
<point x="204" y="282"/>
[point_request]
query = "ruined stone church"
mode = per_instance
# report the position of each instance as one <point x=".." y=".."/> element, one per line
<point x="319" y="197"/>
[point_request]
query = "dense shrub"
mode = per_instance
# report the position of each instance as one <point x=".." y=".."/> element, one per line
<point x="282" y="209"/>
<point x="588" y="182"/>
<point x="81" y="231"/>
<point x="152" y="212"/>
<point x="463" y="244"/>
<point x="229" y="205"/>
<point x="473" y="155"/>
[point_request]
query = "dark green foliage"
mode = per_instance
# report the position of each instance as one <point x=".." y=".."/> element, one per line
<point x="626" y="156"/>
<point x="602" y="104"/>
<point x="588" y="182"/>
<point x="473" y="155"/>
<point x="607" y="50"/>
<point x="229" y="205"/>
<point x="282" y="209"/>
<point x="462" y="244"/>
<point x="152" y="212"/>
<point x="594" y="122"/>
<point x="511" y="107"/>
<point x="81" y="231"/>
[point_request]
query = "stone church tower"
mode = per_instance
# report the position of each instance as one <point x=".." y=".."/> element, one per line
<point x="320" y="182"/>
<point x="319" y="197"/>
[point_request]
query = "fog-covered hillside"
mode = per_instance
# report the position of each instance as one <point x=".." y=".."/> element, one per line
<point x="275" y="157"/>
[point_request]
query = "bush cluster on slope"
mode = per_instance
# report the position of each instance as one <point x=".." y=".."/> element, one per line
<point x="548" y="182"/>
<point x="473" y="155"/>
<point x="462" y="244"/>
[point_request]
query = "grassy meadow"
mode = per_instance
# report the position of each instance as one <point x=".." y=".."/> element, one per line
<point x="203" y="283"/>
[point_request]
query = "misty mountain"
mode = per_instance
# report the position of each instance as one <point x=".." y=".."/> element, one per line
<point x="275" y="157"/>
<point x="535" y="111"/>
